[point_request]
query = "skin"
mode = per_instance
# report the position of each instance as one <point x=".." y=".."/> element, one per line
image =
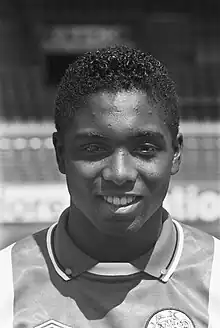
<point x="120" y="161"/>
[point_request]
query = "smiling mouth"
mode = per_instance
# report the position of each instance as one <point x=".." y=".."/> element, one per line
<point x="121" y="201"/>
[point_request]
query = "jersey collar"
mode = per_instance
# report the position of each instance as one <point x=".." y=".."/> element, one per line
<point x="69" y="261"/>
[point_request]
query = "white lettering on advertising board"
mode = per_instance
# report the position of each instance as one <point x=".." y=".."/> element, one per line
<point x="190" y="204"/>
<point x="33" y="203"/>
<point x="44" y="203"/>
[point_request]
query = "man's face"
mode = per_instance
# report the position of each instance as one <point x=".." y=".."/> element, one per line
<point x="118" y="158"/>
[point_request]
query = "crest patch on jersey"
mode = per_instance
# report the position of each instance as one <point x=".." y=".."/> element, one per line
<point x="52" y="324"/>
<point x="169" y="318"/>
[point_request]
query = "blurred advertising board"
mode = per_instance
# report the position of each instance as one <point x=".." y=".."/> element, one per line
<point x="194" y="200"/>
<point x="195" y="203"/>
<point x="193" y="196"/>
<point x="33" y="202"/>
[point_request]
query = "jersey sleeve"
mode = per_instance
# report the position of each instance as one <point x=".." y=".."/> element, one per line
<point x="6" y="288"/>
<point x="214" y="288"/>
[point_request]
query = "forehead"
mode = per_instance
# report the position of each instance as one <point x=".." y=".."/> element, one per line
<point x="120" y="113"/>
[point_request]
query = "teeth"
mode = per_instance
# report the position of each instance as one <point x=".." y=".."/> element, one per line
<point x="124" y="200"/>
<point x="119" y="200"/>
<point x="116" y="201"/>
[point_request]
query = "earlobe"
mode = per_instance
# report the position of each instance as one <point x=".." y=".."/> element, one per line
<point x="58" y="145"/>
<point x="178" y="146"/>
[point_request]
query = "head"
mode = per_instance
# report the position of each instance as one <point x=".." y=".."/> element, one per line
<point x="117" y="139"/>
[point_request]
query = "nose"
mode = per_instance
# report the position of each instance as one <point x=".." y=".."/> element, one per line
<point x="120" y="168"/>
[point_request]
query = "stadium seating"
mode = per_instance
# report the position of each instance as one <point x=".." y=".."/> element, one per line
<point x="23" y="95"/>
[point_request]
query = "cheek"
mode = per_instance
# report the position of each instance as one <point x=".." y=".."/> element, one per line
<point x="80" y="175"/>
<point x="156" y="173"/>
<point x="86" y="170"/>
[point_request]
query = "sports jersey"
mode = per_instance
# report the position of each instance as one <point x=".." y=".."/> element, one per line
<point x="47" y="282"/>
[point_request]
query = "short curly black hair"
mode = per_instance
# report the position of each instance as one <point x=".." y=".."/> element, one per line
<point x="113" y="69"/>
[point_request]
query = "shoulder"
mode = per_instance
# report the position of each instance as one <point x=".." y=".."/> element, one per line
<point x="201" y="251"/>
<point x="22" y="268"/>
<point x="24" y="252"/>
<point x="196" y="238"/>
<point x="14" y="260"/>
<point x="198" y="250"/>
<point x="202" y="254"/>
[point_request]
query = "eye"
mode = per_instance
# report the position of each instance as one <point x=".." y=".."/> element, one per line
<point x="146" y="149"/>
<point x="93" y="148"/>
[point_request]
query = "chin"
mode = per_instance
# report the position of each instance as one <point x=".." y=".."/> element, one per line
<point x="120" y="230"/>
<point x="113" y="231"/>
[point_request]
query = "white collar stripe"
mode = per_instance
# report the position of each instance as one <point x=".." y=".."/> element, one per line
<point x="177" y="253"/>
<point x="50" y="252"/>
<point x="113" y="269"/>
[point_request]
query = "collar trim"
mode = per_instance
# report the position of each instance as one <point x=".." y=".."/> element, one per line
<point x="119" y="269"/>
<point x="114" y="269"/>
<point x="51" y="255"/>
<point x="177" y="253"/>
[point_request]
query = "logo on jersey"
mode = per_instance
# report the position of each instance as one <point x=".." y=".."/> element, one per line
<point x="52" y="324"/>
<point x="170" y="318"/>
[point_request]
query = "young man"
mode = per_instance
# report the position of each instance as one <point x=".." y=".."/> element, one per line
<point x="115" y="258"/>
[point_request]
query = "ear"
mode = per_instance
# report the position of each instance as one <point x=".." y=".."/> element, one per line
<point x="178" y="148"/>
<point x="59" y="149"/>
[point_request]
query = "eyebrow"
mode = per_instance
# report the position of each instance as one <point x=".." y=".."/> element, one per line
<point x="90" y="134"/>
<point x="149" y="134"/>
<point x="137" y="134"/>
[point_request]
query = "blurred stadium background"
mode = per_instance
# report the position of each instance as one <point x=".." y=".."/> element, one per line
<point x="39" y="38"/>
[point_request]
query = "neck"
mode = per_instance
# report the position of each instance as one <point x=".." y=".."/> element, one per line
<point x="108" y="248"/>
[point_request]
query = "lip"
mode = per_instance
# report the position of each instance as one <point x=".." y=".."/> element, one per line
<point x="116" y="194"/>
